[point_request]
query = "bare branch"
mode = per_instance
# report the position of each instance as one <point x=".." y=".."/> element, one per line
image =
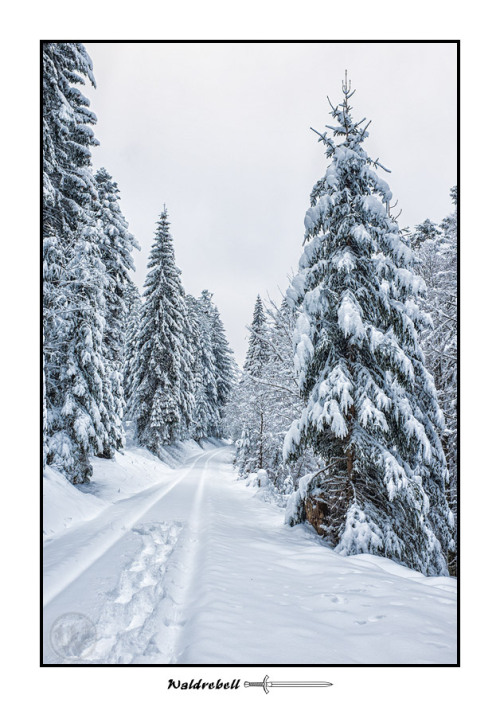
<point x="267" y="342"/>
<point x="326" y="468"/>
<point x="376" y="163"/>
<point x="272" y="385"/>
<point x="366" y="127"/>
<point x="324" y="138"/>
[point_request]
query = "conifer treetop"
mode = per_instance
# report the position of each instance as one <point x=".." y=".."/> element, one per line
<point x="258" y="349"/>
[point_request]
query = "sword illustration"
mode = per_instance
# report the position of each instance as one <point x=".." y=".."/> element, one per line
<point x="266" y="684"/>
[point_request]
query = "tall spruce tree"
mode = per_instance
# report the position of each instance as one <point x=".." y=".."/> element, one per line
<point x="225" y="367"/>
<point x="205" y="418"/>
<point x="68" y="185"/>
<point x="116" y="245"/>
<point x="370" y="405"/>
<point x="162" y="400"/>
<point x="74" y="276"/>
<point x="251" y="448"/>
<point x="258" y="347"/>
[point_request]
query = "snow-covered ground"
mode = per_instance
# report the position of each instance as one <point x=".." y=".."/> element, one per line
<point x="183" y="563"/>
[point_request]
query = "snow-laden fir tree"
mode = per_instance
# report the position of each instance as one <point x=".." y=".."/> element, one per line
<point x="225" y="366"/>
<point x="80" y="397"/>
<point x="68" y="185"/>
<point x="162" y="399"/>
<point x="252" y="438"/>
<point x="214" y="367"/>
<point x="448" y="314"/>
<point x="74" y="276"/>
<point x="206" y="419"/>
<point x="436" y="250"/>
<point x="370" y="406"/>
<point x="424" y="232"/>
<point x="132" y="303"/>
<point x="283" y="401"/>
<point x="116" y="245"/>
<point x="258" y="346"/>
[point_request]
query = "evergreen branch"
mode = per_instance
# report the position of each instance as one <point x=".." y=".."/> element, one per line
<point x="323" y="138"/>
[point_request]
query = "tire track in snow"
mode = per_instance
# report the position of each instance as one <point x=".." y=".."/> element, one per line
<point x="108" y="528"/>
<point x="176" y="609"/>
<point x="127" y="628"/>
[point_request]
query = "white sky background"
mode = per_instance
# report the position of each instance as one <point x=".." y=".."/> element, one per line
<point x="220" y="134"/>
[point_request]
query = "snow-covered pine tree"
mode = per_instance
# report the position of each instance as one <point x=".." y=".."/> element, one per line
<point x="205" y="418"/>
<point x="449" y="375"/>
<point x="162" y="399"/>
<point x="214" y="367"/>
<point x="225" y="366"/>
<point x="68" y="185"/>
<point x="132" y="301"/>
<point x="280" y="401"/>
<point x="74" y="276"/>
<point x="258" y="346"/>
<point x="116" y="245"/>
<point x="79" y="397"/>
<point x="235" y="412"/>
<point x="251" y="448"/>
<point x="370" y="406"/>
<point x="423" y="232"/>
<point x="436" y="249"/>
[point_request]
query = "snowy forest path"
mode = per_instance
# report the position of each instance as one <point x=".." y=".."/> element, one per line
<point x="204" y="571"/>
<point x="101" y="533"/>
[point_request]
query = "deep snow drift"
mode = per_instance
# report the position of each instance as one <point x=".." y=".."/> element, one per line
<point x="183" y="563"/>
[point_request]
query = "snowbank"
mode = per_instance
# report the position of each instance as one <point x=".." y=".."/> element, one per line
<point x="130" y="472"/>
<point x="265" y="490"/>
<point x="65" y="504"/>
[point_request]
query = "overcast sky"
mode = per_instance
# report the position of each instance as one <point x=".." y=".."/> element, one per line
<point x="220" y="134"/>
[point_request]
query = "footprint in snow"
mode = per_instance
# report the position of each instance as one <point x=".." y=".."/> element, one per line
<point x="335" y="598"/>
<point x="371" y="619"/>
<point x="127" y="626"/>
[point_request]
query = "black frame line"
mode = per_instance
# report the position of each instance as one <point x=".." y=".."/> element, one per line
<point x="457" y="42"/>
